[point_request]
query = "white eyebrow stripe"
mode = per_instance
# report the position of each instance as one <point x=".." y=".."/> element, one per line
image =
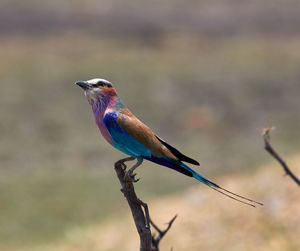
<point x="97" y="80"/>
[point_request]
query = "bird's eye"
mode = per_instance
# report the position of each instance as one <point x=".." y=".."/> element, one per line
<point x="102" y="84"/>
<point x="98" y="84"/>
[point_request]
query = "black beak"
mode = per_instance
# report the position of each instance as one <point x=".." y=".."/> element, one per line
<point x="83" y="84"/>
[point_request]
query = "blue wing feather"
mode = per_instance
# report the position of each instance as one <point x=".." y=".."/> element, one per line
<point x="122" y="140"/>
<point x="131" y="146"/>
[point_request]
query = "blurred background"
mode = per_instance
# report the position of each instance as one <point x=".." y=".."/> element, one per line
<point x="205" y="75"/>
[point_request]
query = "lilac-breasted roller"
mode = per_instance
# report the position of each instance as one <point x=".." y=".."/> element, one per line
<point x="128" y="134"/>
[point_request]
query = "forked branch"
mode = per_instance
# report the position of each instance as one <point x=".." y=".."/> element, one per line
<point x="161" y="233"/>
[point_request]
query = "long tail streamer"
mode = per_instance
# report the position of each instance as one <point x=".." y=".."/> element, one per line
<point x="222" y="190"/>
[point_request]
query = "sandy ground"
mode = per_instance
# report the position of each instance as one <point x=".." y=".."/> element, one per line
<point x="209" y="221"/>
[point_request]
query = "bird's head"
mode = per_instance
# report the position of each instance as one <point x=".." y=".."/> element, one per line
<point x="96" y="89"/>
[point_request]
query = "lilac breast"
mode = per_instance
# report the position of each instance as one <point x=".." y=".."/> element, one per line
<point x="98" y="110"/>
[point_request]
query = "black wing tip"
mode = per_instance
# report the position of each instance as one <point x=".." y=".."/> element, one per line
<point x="187" y="159"/>
<point x="191" y="161"/>
<point x="196" y="163"/>
<point x="178" y="154"/>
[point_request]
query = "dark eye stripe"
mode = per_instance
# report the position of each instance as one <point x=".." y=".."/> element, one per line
<point x="101" y="84"/>
<point x="98" y="84"/>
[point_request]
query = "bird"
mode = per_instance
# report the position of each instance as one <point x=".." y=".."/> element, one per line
<point x="124" y="131"/>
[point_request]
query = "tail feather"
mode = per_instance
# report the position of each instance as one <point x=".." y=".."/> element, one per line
<point x="220" y="189"/>
<point x="185" y="169"/>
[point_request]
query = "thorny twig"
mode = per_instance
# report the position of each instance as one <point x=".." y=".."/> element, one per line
<point x="269" y="148"/>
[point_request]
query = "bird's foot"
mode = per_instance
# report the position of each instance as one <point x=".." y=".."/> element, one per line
<point x="130" y="177"/>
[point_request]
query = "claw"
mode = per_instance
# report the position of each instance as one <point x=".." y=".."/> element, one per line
<point x="135" y="180"/>
<point x="130" y="177"/>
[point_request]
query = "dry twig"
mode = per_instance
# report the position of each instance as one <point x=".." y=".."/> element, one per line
<point x="161" y="233"/>
<point x="269" y="148"/>
<point x="141" y="218"/>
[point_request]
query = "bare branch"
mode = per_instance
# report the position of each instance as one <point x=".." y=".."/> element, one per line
<point x="269" y="148"/>
<point x="135" y="204"/>
<point x="141" y="218"/>
<point x="161" y="233"/>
